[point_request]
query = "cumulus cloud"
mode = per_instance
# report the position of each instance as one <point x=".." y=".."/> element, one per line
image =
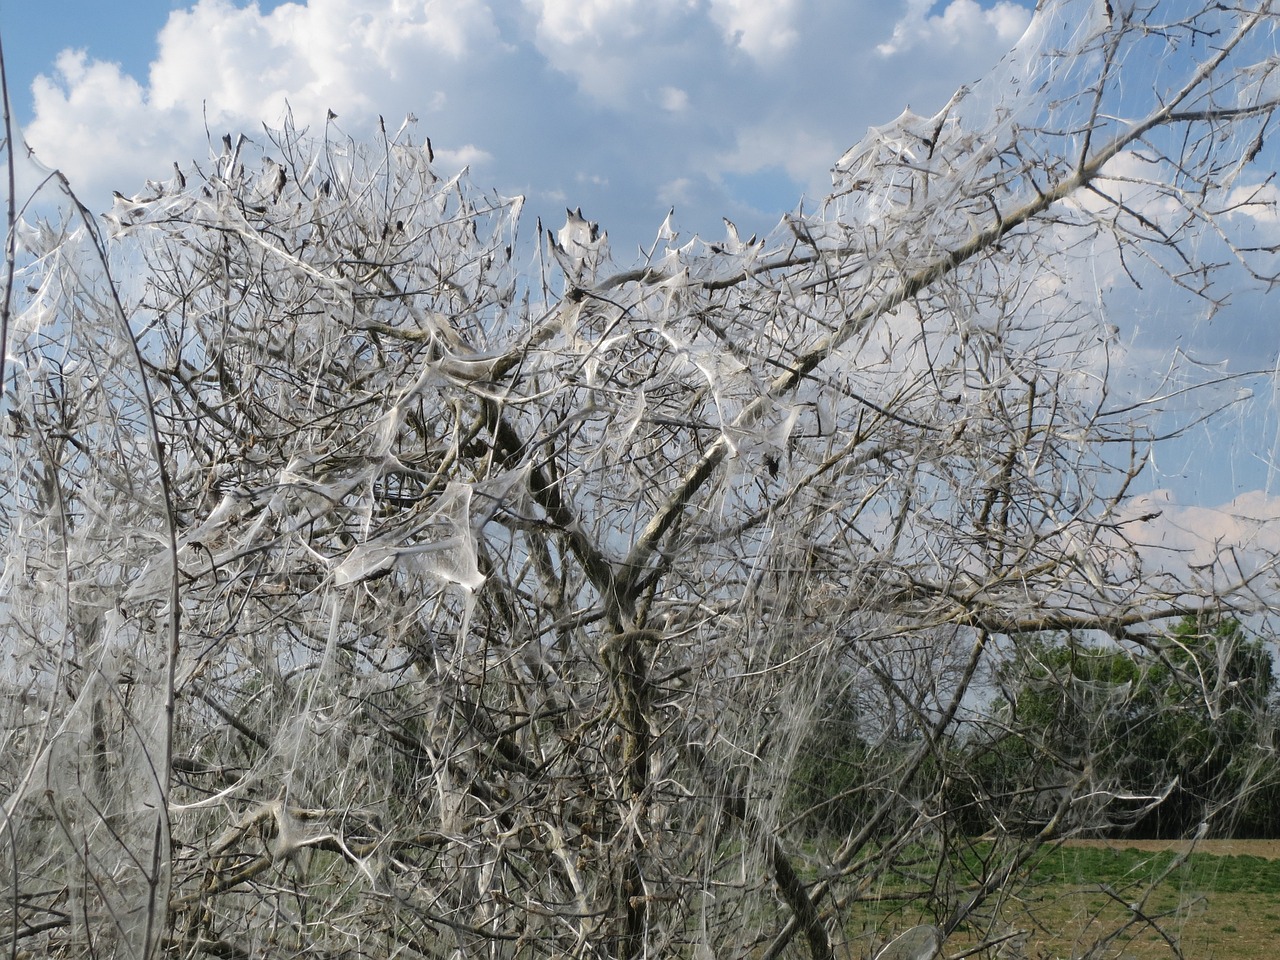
<point x="233" y="68"/>
<point x="1235" y="540"/>
<point x="764" y="30"/>
<point x="342" y="55"/>
<point x="803" y="152"/>
<point x="468" y="155"/>
<point x="94" y="121"/>
<point x="1259" y="202"/>
<point x="676" y="192"/>
<point x="620" y="106"/>
<point x="961" y="22"/>
<point x="1223" y="326"/>
<point x="673" y="99"/>
<point x="612" y="47"/>
<point x="567" y="23"/>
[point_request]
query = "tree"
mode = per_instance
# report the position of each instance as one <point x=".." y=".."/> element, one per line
<point x="1182" y="729"/>
<point x="370" y="596"/>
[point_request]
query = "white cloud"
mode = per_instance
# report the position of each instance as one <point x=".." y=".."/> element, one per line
<point x="612" y="47"/>
<point x="803" y="152"/>
<point x="97" y="124"/>
<point x="962" y="23"/>
<point x="673" y="99"/>
<point x="1224" y="327"/>
<point x="764" y="30"/>
<point x="328" y="54"/>
<point x="234" y="68"/>
<point x="1223" y="543"/>
<point x="1260" y="202"/>
<point x="676" y="192"/>
<point x="658" y="100"/>
<point x="566" y="23"/>
<point x="468" y="155"/>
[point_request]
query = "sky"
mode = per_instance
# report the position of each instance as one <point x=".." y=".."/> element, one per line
<point x="625" y="108"/>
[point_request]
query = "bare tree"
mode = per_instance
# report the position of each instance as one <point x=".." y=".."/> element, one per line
<point x="370" y="595"/>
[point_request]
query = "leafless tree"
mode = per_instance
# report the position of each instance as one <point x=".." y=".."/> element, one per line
<point x="370" y="594"/>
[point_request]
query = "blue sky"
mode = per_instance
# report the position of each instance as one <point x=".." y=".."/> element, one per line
<point x="626" y="108"/>
<point x="716" y="107"/>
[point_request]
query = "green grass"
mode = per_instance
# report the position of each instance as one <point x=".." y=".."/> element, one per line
<point x="1121" y="868"/>
<point x="1214" y="905"/>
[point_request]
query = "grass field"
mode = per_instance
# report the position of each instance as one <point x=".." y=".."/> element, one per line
<point x="1220" y="901"/>
<point x="1223" y="900"/>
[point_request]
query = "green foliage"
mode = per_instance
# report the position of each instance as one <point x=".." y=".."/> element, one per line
<point x="1173" y="731"/>
<point x="832" y="784"/>
<point x="842" y="775"/>
<point x="1169" y="731"/>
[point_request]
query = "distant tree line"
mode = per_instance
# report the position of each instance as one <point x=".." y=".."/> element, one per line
<point x="1178" y="735"/>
